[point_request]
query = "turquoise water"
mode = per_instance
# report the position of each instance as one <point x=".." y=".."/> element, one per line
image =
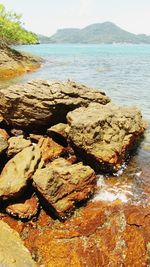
<point x="123" y="72"/>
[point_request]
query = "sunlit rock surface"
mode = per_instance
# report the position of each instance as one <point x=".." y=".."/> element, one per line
<point x="18" y="171"/>
<point x="42" y="103"/>
<point x="102" y="135"/>
<point x="14" y="63"/>
<point x="63" y="185"/>
<point x="13" y="253"/>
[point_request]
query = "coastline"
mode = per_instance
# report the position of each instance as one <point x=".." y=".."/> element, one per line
<point x="14" y="63"/>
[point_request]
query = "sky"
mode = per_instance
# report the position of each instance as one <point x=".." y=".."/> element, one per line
<point x="46" y="16"/>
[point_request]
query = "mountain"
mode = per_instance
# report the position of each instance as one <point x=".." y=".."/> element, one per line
<point x="43" y="39"/>
<point x="106" y="32"/>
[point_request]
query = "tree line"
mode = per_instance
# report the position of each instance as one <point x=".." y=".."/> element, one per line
<point x="11" y="29"/>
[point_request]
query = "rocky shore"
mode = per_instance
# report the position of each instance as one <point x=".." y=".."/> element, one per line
<point x="55" y="138"/>
<point x="14" y="63"/>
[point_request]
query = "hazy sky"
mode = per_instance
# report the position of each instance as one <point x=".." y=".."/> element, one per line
<point x="46" y="16"/>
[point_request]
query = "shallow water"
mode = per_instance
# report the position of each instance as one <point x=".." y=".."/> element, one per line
<point x="123" y="72"/>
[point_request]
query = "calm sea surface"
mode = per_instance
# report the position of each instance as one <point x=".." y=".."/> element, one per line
<point x="123" y="72"/>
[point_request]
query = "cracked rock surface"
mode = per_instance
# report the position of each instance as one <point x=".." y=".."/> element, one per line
<point x="63" y="184"/>
<point x="103" y="134"/>
<point x="18" y="171"/>
<point x="42" y="103"/>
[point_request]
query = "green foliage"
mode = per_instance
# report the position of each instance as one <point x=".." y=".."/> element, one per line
<point x="11" y="30"/>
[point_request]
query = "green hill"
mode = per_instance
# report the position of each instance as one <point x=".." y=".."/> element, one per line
<point x="106" y="32"/>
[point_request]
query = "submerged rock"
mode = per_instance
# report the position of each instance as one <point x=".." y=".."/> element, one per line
<point x="101" y="135"/>
<point x="42" y="103"/>
<point x="13" y="63"/>
<point x="13" y="253"/>
<point x="63" y="185"/>
<point x="18" y="171"/>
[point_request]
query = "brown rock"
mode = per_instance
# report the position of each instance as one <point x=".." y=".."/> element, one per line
<point x="43" y="103"/>
<point x="17" y="144"/>
<point x="102" y="135"/>
<point x="13" y="63"/>
<point x="35" y="137"/>
<point x="49" y="149"/>
<point x="98" y="234"/>
<point x="60" y="129"/>
<point x="3" y="140"/>
<point x="63" y="185"/>
<point x="4" y="134"/>
<point x="24" y="208"/>
<point x="13" y="253"/>
<point x="3" y="144"/>
<point x="18" y="170"/>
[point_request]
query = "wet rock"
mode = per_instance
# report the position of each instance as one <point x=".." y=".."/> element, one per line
<point x="17" y="144"/>
<point x="49" y="149"/>
<point x="24" y="208"/>
<point x="63" y="185"/>
<point x="42" y="103"/>
<point x="102" y="135"/>
<point x="18" y="171"/>
<point x="97" y="236"/>
<point x="13" y="253"/>
<point x="13" y="63"/>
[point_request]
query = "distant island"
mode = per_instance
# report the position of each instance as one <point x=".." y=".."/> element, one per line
<point x="98" y="33"/>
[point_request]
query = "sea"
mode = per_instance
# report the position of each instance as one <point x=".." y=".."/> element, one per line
<point x="122" y="71"/>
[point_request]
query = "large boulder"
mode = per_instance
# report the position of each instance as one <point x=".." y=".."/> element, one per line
<point x="13" y="63"/>
<point x="13" y="253"/>
<point x="18" y="171"/>
<point x="102" y="135"/>
<point x="43" y="103"/>
<point x="63" y="185"/>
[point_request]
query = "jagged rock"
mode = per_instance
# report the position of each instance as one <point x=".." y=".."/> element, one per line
<point x="35" y="137"/>
<point x="13" y="63"/>
<point x="24" y="208"/>
<point x="61" y="129"/>
<point x="13" y="253"/>
<point x="18" y="171"/>
<point x="3" y="140"/>
<point x="4" y="134"/>
<point x="17" y="144"/>
<point x="102" y="135"/>
<point x="49" y="149"/>
<point x="42" y="103"/>
<point x="3" y="144"/>
<point x="63" y="185"/>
